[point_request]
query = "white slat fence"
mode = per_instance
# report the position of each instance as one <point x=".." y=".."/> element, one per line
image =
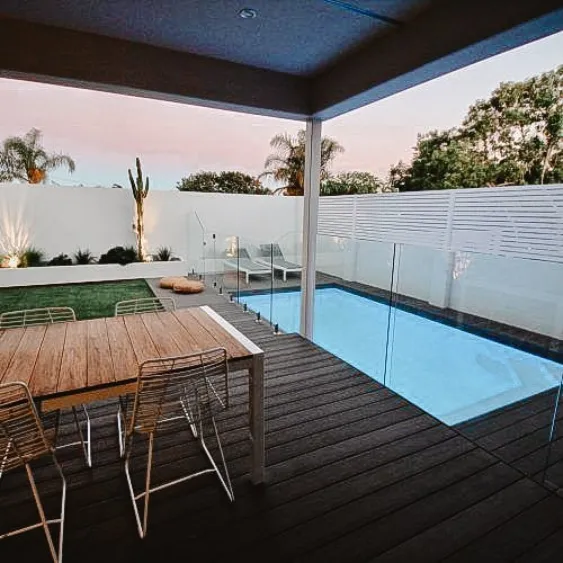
<point x="522" y="221"/>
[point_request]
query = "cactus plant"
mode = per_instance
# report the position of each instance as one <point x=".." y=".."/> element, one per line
<point x="140" y="189"/>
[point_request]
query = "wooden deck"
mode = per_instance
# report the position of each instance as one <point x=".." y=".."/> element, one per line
<point x="518" y="434"/>
<point x="355" y="473"/>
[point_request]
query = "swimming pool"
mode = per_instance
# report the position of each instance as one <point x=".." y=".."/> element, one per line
<point x="450" y="373"/>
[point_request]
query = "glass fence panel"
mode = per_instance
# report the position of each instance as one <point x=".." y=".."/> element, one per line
<point x="255" y="276"/>
<point x="287" y="268"/>
<point x="273" y="290"/>
<point x="353" y="289"/>
<point x="475" y="340"/>
<point x="222" y="267"/>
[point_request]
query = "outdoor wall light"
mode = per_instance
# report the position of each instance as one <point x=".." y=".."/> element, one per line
<point x="247" y="13"/>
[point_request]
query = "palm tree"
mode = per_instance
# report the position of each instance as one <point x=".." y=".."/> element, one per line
<point x="287" y="164"/>
<point x="24" y="158"/>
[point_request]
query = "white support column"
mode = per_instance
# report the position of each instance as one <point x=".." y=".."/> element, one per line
<point x="310" y="219"/>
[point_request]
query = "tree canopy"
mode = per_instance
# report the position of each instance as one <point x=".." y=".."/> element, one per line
<point x="287" y="164"/>
<point x="347" y="183"/>
<point x="25" y="159"/>
<point x="514" y="137"/>
<point x="222" y="183"/>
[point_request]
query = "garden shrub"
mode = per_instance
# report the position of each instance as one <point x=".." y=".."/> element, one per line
<point x="119" y="255"/>
<point x="60" y="260"/>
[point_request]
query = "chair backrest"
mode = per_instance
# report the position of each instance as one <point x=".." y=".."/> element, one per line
<point x="194" y="385"/>
<point x="42" y="316"/>
<point x="145" y="305"/>
<point x="243" y="253"/>
<point x="22" y="438"/>
<point x="271" y="249"/>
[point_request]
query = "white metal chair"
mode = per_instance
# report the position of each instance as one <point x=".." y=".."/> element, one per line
<point x="191" y="389"/>
<point x="145" y="305"/>
<point x="22" y="441"/>
<point x="30" y="317"/>
<point x="52" y="315"/>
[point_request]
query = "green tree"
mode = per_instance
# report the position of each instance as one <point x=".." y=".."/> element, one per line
<point x="287" y="164"/>
<point x="25" y="159"/>
<point x="222" y="183"/>
<point x="443" y="160"/>
<point x="353" y="183"/>
<point x="514" y="137"/>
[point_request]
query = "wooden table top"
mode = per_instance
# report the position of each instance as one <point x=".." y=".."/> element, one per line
<point x="61" y="359"/>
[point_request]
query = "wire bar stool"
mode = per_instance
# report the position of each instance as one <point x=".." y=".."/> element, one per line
<point x="144" y="305"/>
<point x="22" y="441"/>
<point x="192" y="389"/>
<point x="53" y="315"/>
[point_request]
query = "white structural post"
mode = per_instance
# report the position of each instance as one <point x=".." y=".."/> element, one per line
<point x="310" y="218"/>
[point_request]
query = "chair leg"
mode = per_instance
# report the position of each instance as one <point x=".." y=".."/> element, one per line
<point x="148" y="484"/>
<point x="5" y="457"/>
<point x="85" y="443"/>
<point x="141" y="527"/>
<point x="225" y="480"/>
<point x="41" y="514"/>
<point x="63" y="507"/>
<point x="186" y="407"/>
<point x="44" y="523"/>
<point x="121" y="422"/>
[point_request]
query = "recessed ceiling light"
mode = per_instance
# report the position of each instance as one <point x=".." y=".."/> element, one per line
<point x="247" y="13"/>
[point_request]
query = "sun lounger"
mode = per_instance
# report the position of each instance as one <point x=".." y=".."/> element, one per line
<point x="273" y="255"/>
<point x="247" y="265"/>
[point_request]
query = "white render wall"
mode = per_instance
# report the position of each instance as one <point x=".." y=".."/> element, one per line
<point x="63" y="219"/>
<point x="52" y="275"/>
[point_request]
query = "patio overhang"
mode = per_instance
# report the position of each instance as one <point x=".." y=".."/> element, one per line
<point x="303" y="76"/>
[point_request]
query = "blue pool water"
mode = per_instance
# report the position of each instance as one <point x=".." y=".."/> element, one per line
<point x="448" y="372"/>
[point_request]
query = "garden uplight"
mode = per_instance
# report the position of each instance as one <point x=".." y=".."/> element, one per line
<point x="13" y="261"/>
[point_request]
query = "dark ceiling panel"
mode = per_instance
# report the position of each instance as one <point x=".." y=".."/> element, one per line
<point x="292" y="36"/>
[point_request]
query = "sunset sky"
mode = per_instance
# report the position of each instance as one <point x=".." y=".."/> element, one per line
<point x="104" y="132"/>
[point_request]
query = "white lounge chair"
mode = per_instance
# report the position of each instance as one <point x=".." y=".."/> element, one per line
<point x="273" y="255"/>
<point x="247" y="265"/>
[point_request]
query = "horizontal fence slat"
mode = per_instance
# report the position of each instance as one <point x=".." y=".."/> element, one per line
<point x="519" y="221"/>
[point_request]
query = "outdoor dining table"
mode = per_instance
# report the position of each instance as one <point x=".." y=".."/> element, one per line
<point x="74" y="363"/>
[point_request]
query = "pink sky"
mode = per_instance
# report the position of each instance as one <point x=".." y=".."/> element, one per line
<point x="104" y="132"/>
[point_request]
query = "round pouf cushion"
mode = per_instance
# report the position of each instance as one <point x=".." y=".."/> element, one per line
<point x="169" y="282"/>
<point x="188" y="286"/>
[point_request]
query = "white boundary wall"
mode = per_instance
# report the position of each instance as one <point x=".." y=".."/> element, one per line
<point x="49" y="275"/>
<point x="64" y="219"/>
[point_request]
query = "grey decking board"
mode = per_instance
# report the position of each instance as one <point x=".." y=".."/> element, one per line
<point x="547" y="550"/>
<point x="515" y="536"/>
<point x="518" y="434"/>
<point x="337" y="447"/>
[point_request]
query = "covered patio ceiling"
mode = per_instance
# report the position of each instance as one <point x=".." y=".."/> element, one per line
<point x="296" y="59"/>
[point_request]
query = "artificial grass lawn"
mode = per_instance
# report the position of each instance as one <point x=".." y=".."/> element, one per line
<point x="89" y="300"/>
